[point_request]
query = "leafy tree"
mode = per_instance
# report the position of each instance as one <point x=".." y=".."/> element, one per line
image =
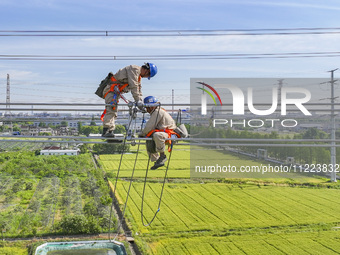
<point x="93" y="123"/>
<point x="86" y="130"/>
<point x="64" y="123"/>
<point x="79" y="224"/>
<point x="83" y="149"/>
<point x="74" y="224"/>
<point x="80" y="125"/>
<point x="92" y="225"/>
<point x="314" y="133"/>
<point x="90" y="209"/>
<point x="120" y="129"/>
<point x="45" y="134"/>
<point x="16" y="127"/>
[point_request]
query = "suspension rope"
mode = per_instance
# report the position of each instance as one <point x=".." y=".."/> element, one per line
<point x="117" y="176"/>
<point x="161" y="195"/>
<point x="130" y="184"/>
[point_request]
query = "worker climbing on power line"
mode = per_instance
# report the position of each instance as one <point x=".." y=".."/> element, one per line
<point x="114" y="85"/>
<point x="160" y="126"/>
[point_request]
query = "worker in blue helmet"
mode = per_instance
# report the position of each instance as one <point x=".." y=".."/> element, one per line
<point x="127" y="79"/>
<point x="152" y="68"/>
<point x="160" y="126"/>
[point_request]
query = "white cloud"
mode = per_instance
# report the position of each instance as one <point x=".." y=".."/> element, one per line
<point x="19" y="74"/>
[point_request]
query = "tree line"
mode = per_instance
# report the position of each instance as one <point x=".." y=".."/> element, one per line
<point x="302" y="155"/>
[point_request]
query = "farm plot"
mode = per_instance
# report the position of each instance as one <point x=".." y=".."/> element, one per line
<point x="71" y="201"/>
<point x="178" y="168"/>
<point x="325" y="242"/>
<point x="15" y="196"/>
<point x="21" y="146"/>
<point x="41" y="210"/>
<point x="30" y="204"/>
<point x="216" y="218"/>
<point x="217" y="208"/>
<point x="180" y="165"/>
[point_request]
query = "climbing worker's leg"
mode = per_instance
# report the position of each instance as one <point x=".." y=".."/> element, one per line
<point x="159" y="138"/>
<point x="151" y="149"/>
<point x="109" y="117"/>
<point x="153" y="156"/>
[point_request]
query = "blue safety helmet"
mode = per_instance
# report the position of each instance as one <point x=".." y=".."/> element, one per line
<point x="153" y="69"/>
<point x="150" y="100"/>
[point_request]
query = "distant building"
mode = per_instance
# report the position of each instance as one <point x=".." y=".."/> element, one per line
<point x="52" y="147"/>
<point x="60" y="152"/>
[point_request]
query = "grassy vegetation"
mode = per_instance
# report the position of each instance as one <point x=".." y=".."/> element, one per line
<point x="272" y="215"/>
<point x="38" y="192"/>
<point x="219" y="207"/>
<point x="197" y="216"/>
<point x="179" y="167"/>
<point x="213" y="218"/>
<point x="326" y="242"/>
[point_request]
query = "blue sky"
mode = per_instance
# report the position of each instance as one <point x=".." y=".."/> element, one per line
<point x="75" y="81"/>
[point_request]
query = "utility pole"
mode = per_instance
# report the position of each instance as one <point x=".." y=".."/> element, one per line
<point x="173" y="101"/>
<point x="8" y="102"/>
<point x="333" y="149"/>
<point x="8" y="97"/>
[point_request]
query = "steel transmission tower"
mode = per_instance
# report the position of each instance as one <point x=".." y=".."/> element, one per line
<point x="333" y="128"/>
<point x="8" y="97"/>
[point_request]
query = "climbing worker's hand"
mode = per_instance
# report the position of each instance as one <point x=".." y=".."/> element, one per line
<point x="140" y="105"/>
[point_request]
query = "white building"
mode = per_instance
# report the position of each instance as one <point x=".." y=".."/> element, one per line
<point x="60" y="152"/>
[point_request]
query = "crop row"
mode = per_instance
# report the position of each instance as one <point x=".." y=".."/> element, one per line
<point x="325" y="242"/>
<point x="217" y="207"/>
<point x="177" y="167"/>
<point x="20" y="146"/>
<point x="71" y="197"/>
<point x="40" y="212"/>
<point x="31" y="204"/>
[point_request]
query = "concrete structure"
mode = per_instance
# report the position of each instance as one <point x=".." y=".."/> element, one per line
<point x="262" y="154"/>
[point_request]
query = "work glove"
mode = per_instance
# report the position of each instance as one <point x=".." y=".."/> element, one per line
<point x="130" y="104"/>
<point x="140" y="105"/>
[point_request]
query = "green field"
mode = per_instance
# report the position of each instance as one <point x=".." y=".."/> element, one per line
<point x="196" y="216"/>
<point x="228" y="216"/>
<point x="179" y="166"/>
<point x="326" y="242"/>
<point x="213" y="218"/>
<point x="38" y="192"/>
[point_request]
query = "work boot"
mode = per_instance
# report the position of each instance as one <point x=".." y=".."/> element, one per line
<point x="108" y="133"/>
<point x="104" y="131"/>
<point x="160" y="162"/>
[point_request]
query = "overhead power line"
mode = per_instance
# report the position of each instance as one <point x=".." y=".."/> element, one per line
<point x="173" y="32"/>
<point x="172" y="57"/>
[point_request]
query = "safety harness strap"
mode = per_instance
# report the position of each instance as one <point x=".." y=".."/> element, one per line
<point x="170" y="132"/>
<point x="115" y="83"/>
<point x="121" y="87"/>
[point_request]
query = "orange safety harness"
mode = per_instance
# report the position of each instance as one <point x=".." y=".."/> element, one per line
<point x="121" y="87"/>
<point x="170" y="132"/>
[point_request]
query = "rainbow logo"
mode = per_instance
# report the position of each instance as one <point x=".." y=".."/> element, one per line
<point x="209" y="93"/>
